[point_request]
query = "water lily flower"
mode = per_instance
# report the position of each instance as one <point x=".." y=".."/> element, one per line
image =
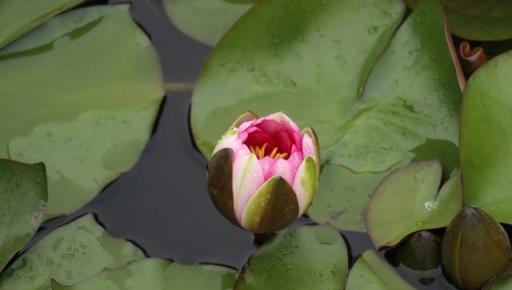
<point x="264" y="172"/>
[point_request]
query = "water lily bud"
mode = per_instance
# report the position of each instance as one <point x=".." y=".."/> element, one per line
<point x="264" y="172"/>
<point x="420" y="252"/>
<point x="475" y="249"/>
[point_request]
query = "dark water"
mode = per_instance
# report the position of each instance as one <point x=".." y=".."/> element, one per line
<point x="162" y="204"/>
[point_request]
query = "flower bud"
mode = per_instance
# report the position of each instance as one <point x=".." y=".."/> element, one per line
<point x="264" y="172"/>
<point x="475" y="249"/>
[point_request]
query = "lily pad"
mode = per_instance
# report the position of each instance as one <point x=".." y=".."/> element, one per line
<point x="206" y="20"/>
<point x="69" y="255"/>
<point x="23" y="196"/>
<point x="409" y="200"/>
<point x="304" y="258"/>
<point x="502" y="282"/>
<point x="370" y="272"/>
<point x="290" y="55"/>
<point x="481" y="28"/>
<point x="89" y="108"/>
<point x="485" y="138"/>
<point x="156" y="274"/>
<point x="490" y="8"/>
<point x="20" y="16"/>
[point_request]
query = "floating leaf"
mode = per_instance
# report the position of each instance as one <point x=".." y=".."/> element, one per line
<point x="20" y="16"/>
<point x="23" y="196"/>
<point x="305" y="258"/>
<point x="482" y="28"/>
<point x="490" y="8"/>
<point x="409" y="200"/>
<point x="485" y="138"/>
<point x="89" y="107"/>
<point x="370" y="272"/>
<point x="206" y="20"/>
<point x="155" y="274"/>
<point x="290" y="55"/>
<point x="502" y="282"/>
<point x="475" y="249"/>
<point x="69" y="255"/>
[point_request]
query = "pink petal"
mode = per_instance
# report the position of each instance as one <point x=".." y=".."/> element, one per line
<point x="295" y="161"/>
<point x="247" y="179"/>
<point x="283" y="141"/>
<point x="227" y="141"/>
<point x="285" y="120"/>
<point x="266" y="163"/>
<point x="282" y="168"/>
<point x="309" y="147"/>
<point x="258" y="137"/>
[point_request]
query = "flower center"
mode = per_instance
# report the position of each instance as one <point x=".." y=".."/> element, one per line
<point x="263" y="151"/>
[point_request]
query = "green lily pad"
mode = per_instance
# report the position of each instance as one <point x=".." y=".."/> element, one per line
<point x="304" y="258"/>
<point x="489" y="8"/>
<point x="485" y="139"/>
<point x="290" y="55"/>
<point x="69" y="255"/>
<point x="18" y="16"/>
<point x="409" y="200"/>
<point x="502" y="282"/>
<point x="370" y="272"/>
<point x="481" y="28"/>
<point x="23" y="196"/>
<point x="155" y="274"/>
<point x="89" y="107"/>
<point x="206" y="20"/>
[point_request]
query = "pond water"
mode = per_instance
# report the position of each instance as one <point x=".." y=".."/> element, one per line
<point x="162" y="204"/>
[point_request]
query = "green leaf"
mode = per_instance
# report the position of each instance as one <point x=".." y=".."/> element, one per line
<point x="89" y="107"/>
<point x="155" y="274"/>
<point x="408" y="111"/>
<point x="69" y="255"/>
<point x="290" y="55"/>
<point x="206" y="20"/>
<point x="23" y="196"/>
<point x="304" y="258"/>
<point x="409" y="200"/>
<point x="489" y="8"/>
<point x="319" y="57"/>
<point x="20" y="16"/>
<point x="486" y="137"/>
<point x="481" y="28"/>
<point x="370" y="272"/>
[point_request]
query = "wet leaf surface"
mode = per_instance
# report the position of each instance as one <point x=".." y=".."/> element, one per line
<point x="155" y="274"/>
<point x="475" y="249"/>
<point x="20" y="16"/>
<point x="89" y="107"/>
<point x="23" y="196"/>
<point x="490" y="8"/>
<point x="69" y="255"/>
<point x="411" y="199"/>
<point x="304" y="258"/>
<point x="481" y="28"/>
<point x="370" y="272"/>
<point x="272" y="61"/>
<point x="206" y="20"/>
<point x="485" y="139"/>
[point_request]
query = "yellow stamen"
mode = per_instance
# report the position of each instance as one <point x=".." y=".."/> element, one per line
<point x="273" y="153"/>
<point x="281" y="155"/>
<point x="260" y="152"/>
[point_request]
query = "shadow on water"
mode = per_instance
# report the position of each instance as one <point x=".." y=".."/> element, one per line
<point x="162" y="204"/>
